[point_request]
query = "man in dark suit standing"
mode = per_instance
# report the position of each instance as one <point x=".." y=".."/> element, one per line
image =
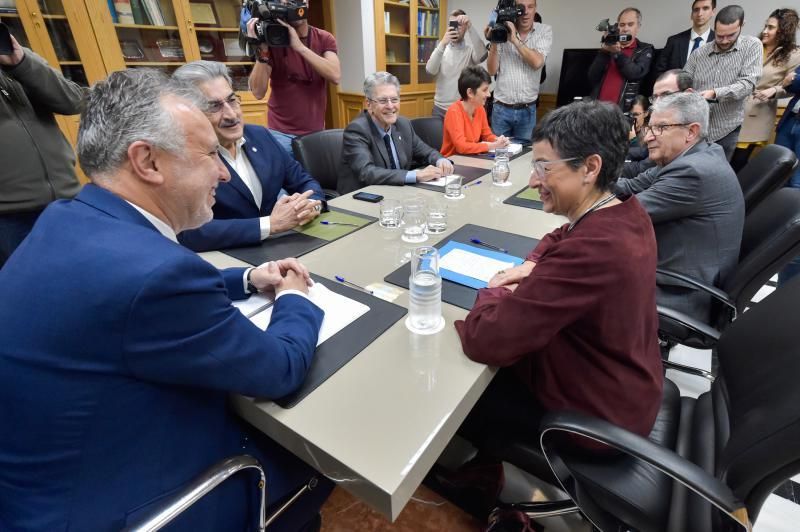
<point x="250" y="206"/>
<point x="681" y="45"/>
<point x="119" y="347"/>
<point x="380" y="146"/>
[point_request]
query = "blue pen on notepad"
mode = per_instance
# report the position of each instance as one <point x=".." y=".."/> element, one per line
<point x="486" y="244"/>
<point x="478" y="182"/>
<point x="326" y="222"/>
<point x="354" y="285"/>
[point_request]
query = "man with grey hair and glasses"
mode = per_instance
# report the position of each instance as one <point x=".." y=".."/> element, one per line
<point x="268" y="193"/>
<point x="120" y="347"/>
<point x="380" y="146"/>
<point x="693" y="198"/>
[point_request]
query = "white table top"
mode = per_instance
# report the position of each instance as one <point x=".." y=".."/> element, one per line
<point x="378" y="424"/>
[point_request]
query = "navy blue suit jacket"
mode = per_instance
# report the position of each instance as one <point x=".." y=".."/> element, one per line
<point x="118" y="349"/>
<point x="794" y="88"/>
<point x="236" y="215"/>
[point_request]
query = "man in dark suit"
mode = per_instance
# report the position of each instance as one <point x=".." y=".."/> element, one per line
<point x="119" y="347"/>
<point x="681" y="45"/>
<point x="694" y="199"/>
<point x="380" y="146"/>
<point x="250" y="206"/>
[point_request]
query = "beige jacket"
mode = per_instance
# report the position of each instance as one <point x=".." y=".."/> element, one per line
<point x="759" y="117"/>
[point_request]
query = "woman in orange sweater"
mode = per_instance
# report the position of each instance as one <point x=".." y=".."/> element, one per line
<point x="466" y="128"/>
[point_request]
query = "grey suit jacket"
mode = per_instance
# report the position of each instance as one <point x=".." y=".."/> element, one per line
<point x="364" y="154"/>
<point x="697" y="209"/>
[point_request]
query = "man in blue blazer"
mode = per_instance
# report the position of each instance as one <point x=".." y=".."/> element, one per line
<point x="248" y="208"/>
<point x="119" y="347"/>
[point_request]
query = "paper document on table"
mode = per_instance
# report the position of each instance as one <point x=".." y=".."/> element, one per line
<point x="512" y="148"/>
<point x="340" y="311"/>
<point x="472" y="265"/>
<point x="253" y="304"/>
<point x="438" y="182"/>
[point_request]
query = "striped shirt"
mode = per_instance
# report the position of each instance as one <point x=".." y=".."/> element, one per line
<point x="732" y="74"/>
<point x="517" y="81"/>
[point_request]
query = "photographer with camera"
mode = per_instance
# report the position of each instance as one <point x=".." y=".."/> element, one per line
<point x="517" y="52"/>
<point x="297" y="59"/>
<point x="622" y="62"/>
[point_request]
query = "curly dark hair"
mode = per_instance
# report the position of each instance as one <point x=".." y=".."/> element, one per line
<point x="785" y="37"/>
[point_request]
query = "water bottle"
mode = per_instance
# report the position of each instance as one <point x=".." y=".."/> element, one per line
<point x="425" y="297"/>
<point x="501" y="169"/>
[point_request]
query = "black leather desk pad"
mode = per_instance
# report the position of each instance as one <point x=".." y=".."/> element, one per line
<point x="340" y="348"/>
<point x="287" y="244"/>
<point x="490" y="156"/>
<point x="458" y="294"/>
<point x="524" y="202"/>
<point x="467" y="173"/>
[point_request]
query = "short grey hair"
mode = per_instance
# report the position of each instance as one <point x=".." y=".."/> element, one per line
<point x="379" y="78"/>
<point x="202" y="71"/>
<point x="127" y="107"/>
<point x="689" y="107"/>
<point x="629" y="10"/>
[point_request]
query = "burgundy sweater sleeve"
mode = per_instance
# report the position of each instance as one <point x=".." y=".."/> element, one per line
<point x="544" y="244"/>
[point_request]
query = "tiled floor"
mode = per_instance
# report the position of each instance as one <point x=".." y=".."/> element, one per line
<point x="427" y="511"/>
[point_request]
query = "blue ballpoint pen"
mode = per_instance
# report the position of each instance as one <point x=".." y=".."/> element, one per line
<point x="478" y="182"/>
<point x="326" y="222"/>
<point x="354" y="285"/>
<point x="491" y="246"/>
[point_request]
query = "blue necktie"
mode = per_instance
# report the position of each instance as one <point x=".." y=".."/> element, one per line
<point x="697" y="41"/>
<point x="389" y="151"/>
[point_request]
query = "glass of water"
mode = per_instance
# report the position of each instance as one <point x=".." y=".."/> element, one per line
<point x="391" y="213"/>
<point x="437" y="217"/>
<point x="425" y="292"/>
<point x="414" y="219"/>
<point x="501" y="170"/>
<point x="452" y="187"/>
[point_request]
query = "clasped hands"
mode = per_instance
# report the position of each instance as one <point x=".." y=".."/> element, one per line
<point x="280" y="275"/>
<point x="430" y="172"/>
<point x="294" y="210"/>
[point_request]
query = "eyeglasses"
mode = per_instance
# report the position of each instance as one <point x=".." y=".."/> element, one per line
<point x="215" y="106"/>
<point x="658" y="129"/>
<point x="655" y="97"/>
<point x="540" y="168"/>
<point x="385" y="101"/>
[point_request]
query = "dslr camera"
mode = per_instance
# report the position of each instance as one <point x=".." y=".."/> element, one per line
<point x="612" y="36"/>
<point x="506" y="11"/>
<point x="267" y="29"/>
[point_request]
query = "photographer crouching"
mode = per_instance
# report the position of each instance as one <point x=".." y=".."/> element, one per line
<point x="517" y="51"/>
<point x="622" y="62"/>
<point x="297" y="59"/>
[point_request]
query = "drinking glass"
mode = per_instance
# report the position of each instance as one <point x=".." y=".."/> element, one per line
<point x="425" y="292"/>
<point x="437" y="217"/>
<point x="452" y="187"/>
<point x="391" y="213"/>
<point x="414" y="218"/>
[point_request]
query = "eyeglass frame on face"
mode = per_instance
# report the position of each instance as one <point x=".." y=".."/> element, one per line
<point x="542" y="168"/>
<point x="651" y="129"/>
<point x="654" y="97"/>
<point x="385" y="101"/>
<point x="215" y="106"/>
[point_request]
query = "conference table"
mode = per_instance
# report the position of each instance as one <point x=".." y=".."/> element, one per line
<point x="379" y="423"/>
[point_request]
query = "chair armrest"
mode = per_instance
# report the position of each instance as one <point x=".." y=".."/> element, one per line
<point x="665" y="460"/>
<point x="690" y="323"/>
<point x="713" y="291"/>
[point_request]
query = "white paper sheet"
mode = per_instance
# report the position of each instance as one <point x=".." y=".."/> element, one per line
<point x="340" y="311"/>
<point x="472" y="264"/>
<point x="513" y="148"/>
<point x="438" y="182"/>
<point x="253" y="304"/>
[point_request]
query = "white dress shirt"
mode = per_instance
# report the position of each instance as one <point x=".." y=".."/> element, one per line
<point x="695" y="35"/>
<point x="241" y="164"/>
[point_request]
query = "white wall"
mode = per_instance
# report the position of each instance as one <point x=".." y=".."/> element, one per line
<point x="573" y="21"/>
<point x="355" y="37"/>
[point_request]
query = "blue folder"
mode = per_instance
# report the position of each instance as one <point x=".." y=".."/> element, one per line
<point x="471" y="281"/>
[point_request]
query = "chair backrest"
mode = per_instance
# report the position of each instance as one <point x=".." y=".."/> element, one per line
<point x="765" y="173"/>
<point x="430" y="130"/>
<point x="770" y="239"/>
<point x="759" y="357"/>
<point x="320" y="153"/>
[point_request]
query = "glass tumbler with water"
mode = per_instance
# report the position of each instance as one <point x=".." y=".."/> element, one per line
<point x="425" y="296"/>
<point x="452" y="187"/>
<point x="414" y="218"/>
<point x="501" y="170"/>
<point x="437" y="217"/>
<point x="391" y="213"/>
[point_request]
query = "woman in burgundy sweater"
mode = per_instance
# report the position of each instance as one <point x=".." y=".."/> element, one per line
<point x="576" y="323"/>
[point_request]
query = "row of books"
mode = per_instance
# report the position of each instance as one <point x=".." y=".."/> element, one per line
<point x="146" y="12"/>
<point x="425" y="49"/>
<point x="429" y="3"/>
<point x="427" y="24"/>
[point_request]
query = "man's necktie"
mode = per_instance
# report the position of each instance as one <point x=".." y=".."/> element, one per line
<point x="697" y="41"/>
<point x="389" y="151"/>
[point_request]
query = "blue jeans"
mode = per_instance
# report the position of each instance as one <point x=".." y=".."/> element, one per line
<point x="13" y="230"/>
<point x="789" y="136"/>
<point x="285" y="140"/>
<point x="516" y="124"/>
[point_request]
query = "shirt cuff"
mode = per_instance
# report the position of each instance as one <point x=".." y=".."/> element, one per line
<point x="295" y="292"/>
<point x="411" y="177"/>
<point x="244" y="280"/>
<point x="264" y="226"/>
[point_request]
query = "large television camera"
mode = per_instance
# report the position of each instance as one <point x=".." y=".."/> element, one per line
<point x="506" y="11"/>
<point x="612" y="36"/>
<point x="267" y="29"/>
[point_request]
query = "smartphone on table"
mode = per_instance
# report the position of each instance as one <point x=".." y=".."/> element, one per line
<point x="366" y="196"/>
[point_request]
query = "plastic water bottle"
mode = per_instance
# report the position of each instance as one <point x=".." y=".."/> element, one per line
<point x="425" y="298"/>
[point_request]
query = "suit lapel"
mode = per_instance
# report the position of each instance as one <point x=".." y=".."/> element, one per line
<point x="400" y="145"/>
<point x="378" y="140"/>
<point x="237" y="183"/>
<point x="683" y="48"/>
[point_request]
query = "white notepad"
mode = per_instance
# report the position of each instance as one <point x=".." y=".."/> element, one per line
<point x="513" y="148"/>
<point x="472" y="265"/>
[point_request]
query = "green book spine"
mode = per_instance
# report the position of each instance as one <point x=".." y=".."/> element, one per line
<point x="139" y="14"/>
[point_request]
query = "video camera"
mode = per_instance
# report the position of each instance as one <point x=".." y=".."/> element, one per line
<point x="613" y="35"/>
<point x="267" y="29"/>
<point x="506" y="11"/>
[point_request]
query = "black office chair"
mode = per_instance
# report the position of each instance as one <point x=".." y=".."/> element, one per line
<point x="430" y="130"/>
<point x="710" y="462"/>
<point x="765" y="173"/>
<point x="320" y="153"/>
<point x="771" y="238"/>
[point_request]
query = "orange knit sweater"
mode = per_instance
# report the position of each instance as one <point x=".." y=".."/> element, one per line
<point x="463" y="135"/>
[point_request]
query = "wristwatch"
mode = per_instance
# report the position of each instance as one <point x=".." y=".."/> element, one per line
<point x="262" y="55"/>
<point x="250" y="286"/>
